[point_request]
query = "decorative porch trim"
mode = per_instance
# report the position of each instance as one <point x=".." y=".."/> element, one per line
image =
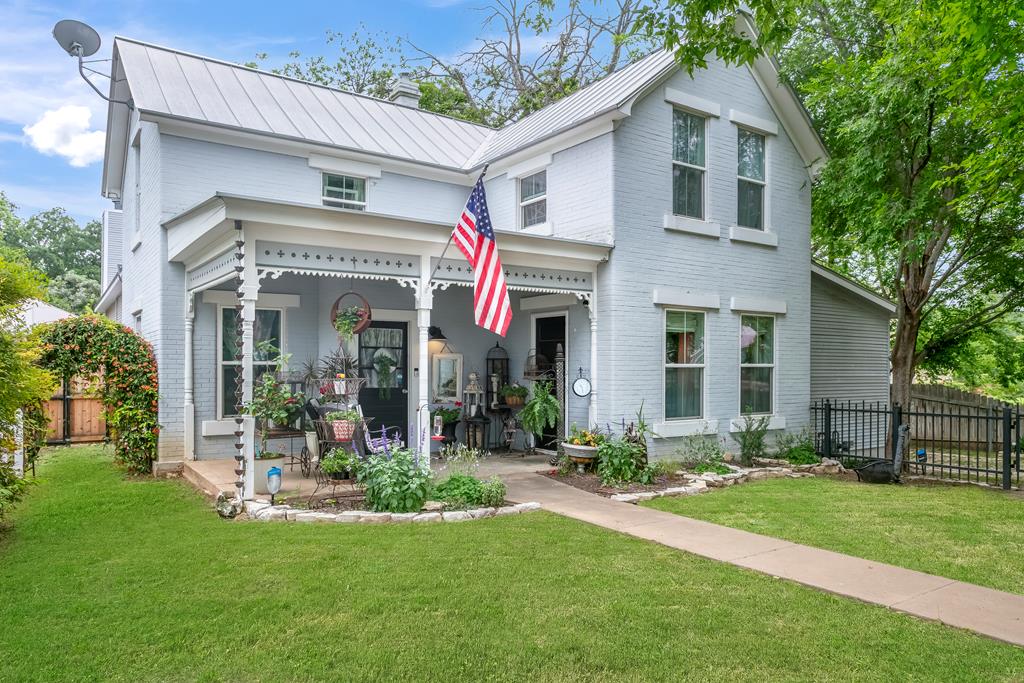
<point x="263" y="299"/>
<point x="520" y="278"/>
<point x="274" y="273"/>
<point x="217" y="268"/>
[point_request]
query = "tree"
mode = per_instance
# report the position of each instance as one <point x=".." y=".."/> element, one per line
<point x="67" y="253"/>
<point x="533" y="53"/>
<point x="920" y="106"/>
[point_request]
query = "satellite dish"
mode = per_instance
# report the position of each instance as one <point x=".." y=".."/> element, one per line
<point x="76" y="38"/>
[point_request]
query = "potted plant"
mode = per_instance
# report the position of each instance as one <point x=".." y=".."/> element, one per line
<point x="347" y="320"/>
<point x="449" y="421"/>
<point x="582" y="445"/>
<point x="385" y="366"/>
<point x="339" y="464"/>
<point x="343" y="423"/>
<point x="514" y="394"/>
<point x="540" y="412"/>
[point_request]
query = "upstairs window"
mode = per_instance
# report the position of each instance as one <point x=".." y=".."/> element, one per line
<point x="688" y="165"/>
<point x="750" y="179"/>
<point x="345" y="191"/>
<point x="533" y="199"/>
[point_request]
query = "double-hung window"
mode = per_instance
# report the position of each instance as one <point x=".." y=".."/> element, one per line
<point x="688" y="164"/>
<point x="750" y="180"/>
<point x="267" y="337"/>
<point x="345" y="191"/>
<point x="533" y="199"/>
<point x="757" y="364"/>
<point x="684" y="365"/>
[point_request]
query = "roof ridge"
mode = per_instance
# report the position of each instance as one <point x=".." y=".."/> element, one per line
<point x="236" y="65"/>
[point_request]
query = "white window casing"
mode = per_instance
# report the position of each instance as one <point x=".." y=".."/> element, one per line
<point x="533" y="201"/>
<point x="344" y="191"/>
<point x="689" y="361"/>
<point x="698" y="105"/>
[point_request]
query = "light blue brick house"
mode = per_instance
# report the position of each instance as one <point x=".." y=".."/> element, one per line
<point x="656" y="226"/>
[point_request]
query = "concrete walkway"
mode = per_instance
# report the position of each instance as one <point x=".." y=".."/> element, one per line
<point x="986" y="611"/>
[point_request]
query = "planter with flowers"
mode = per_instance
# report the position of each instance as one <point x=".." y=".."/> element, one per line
<point x="350" y="317"/>
<point x="582" y="445"/>
<point x="514" y="395"/>
<point x="343" y="424"/>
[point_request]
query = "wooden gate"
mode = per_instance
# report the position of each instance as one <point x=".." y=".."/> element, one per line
<point x="74" y="415"/>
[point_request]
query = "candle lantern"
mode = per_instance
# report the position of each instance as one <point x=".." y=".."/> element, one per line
<point x="473" y="395"/>
<point x="497" y="375"/>
<point x="273" y="482"/>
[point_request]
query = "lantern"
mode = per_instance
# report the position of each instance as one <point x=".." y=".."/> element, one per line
<point x="497" y="375"/>
<point x="473" y="395"/>
<point x="273" y="482"/>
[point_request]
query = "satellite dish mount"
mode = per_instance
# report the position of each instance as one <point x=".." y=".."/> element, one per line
<point x="80" y="40"/>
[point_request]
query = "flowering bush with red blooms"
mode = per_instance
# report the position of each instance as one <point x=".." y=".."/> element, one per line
<point x="92" y="345"/>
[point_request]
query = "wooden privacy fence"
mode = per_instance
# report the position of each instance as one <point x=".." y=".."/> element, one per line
<point x="74" y="415"/>
<point x="944" y="414"/>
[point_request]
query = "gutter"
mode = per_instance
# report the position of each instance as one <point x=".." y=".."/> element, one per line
<point x="109" y="294"/>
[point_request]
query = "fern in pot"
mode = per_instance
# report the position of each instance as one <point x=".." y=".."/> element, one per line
<point x="540" y="412"/>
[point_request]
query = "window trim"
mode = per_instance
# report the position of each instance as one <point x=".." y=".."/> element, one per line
<point x="703" y="169"/>
<point x="765" y="223"/>
<point x="665" y="365"/>
<point x="350" y="204"/>
<point x="532" y="200"/>
<point x="220" y="362"/>
<point x="774" y="365"/>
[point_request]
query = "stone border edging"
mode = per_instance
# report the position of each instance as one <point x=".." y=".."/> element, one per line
<point x="702" y="483"/>
<point x="265" y="512"/>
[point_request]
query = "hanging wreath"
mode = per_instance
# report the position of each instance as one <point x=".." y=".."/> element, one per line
<point x="91" y="345"/>
<point x="351" y="315"/>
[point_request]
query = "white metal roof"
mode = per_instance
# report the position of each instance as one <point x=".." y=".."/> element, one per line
<point x="194" y="88"/>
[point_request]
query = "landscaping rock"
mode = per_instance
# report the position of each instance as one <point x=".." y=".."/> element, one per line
<point x="455" y="516"/>
<point x="315" y="517"/>
<point x="228" y="508"/>
<point x="625" y="497"/>
<point x="647" y="495"/>
<point x="374" y="517"/>
<point x="699" y="483"/>
<point x="527" y="507"/>
<point x="507" y="510"/>
<point x="254" y="507"/>
<point x="403" y="516"/>
<point x="349" y="516"/>
<point x="427" y="517"/>
<point x="480" y="513"/>
<point x="277" y="514"/>
<point x="433" y="506"/>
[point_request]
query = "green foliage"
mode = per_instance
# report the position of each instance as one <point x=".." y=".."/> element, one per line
<point x="703" y="453"/>
<point x="585" y="437"/>
<point x="620" y="461"/>
<point x="752" y="438"/>
<point x="516" y="390"/>
<point x="351" y="415"/>
<point x="797" y="447"/>
<point x="492" y="493"/>
<point x="74" y="292"/>
<point x="715" y="466"/>
<point x="394" y="481"/>
<point x="542" y="411"/>
<point x="448" y="415"/>
<point x="90" y="345"/>
<point x="443" y="97"/>
<point x="340" y="461"/>
<point x="346" y="320"/>
<point x="461" y="491"/>
<point x="12" y="487"/>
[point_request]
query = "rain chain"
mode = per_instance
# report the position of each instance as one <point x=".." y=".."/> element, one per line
<point x="239" y="378"/>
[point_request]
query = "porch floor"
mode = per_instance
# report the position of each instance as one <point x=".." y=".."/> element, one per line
<point x="214" y="476"/>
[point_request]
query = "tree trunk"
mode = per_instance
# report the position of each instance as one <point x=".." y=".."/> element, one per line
<point x="904" y="355"/>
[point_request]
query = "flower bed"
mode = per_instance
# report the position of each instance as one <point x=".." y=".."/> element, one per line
<point x="263" y="511"/>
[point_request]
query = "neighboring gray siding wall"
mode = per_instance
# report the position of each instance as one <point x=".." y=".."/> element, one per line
<point x="113" y="245"/>
<point x="849" y="345"/>
<point x="646" y="256"/>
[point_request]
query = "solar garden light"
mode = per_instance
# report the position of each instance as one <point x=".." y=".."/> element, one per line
<point x="273" y="482"/>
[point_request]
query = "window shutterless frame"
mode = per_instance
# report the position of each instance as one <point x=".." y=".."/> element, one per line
<point x="533" y="199"/>
<point x="702" y="366"/>
<point x="695" y="162"/>
<point x="771" y="367"/>
<point x="222" y="363"/>
<point x="345" y="191"/>
<point x="751" y="179"/>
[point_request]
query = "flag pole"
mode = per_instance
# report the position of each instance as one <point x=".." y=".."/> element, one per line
<point x="451" y="236"/>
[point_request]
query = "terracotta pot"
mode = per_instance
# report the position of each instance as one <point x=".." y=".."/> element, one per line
<point x="514" y="401"/>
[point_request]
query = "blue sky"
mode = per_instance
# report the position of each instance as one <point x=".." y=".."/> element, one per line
<point x="51" y="123"/>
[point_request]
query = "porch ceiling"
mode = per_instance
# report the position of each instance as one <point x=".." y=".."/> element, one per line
<point x="206" y="230"/>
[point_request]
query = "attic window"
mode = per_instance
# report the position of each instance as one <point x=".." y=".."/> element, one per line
<point x="533" y="199"/>
<point x="344" y="191"/>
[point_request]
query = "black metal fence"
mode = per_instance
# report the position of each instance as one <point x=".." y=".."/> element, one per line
<point x="962" y="442"/>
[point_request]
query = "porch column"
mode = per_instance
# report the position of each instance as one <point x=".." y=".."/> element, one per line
<point x="592" y="312"/>
<point x="424" y="303"/>
<point x="248" y="290"/>
<point x="190" y="411"/>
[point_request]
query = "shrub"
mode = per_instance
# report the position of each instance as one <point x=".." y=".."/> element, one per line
<point x="797" y="448"/>
<point x="12" y="487"/>
<point x="463" y="491"/>
<point x="541" y="411"/>
<point x="700" y="450"/>
<point x="620" y="461"/>
<point x="752" y="438"/>
<point x="395" y="481"/>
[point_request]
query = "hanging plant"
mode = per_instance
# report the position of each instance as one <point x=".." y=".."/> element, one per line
<point x="385" y="366"/>
<point x="347" y="320"/>
<point x="90" y="345"/>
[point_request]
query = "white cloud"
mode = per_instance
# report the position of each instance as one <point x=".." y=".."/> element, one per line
<point x="65" y="131"/>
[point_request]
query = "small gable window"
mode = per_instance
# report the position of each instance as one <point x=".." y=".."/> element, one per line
<point x="533" y="199"/>
<point x="344" y="191"/>
<point x="750" y="179"/>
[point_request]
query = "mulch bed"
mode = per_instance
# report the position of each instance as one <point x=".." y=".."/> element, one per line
<point x="591" y="483"/>
<point x="325" y="501"/>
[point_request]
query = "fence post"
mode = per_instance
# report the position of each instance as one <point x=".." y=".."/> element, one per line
<point x="1007" y="426"/>
<point x="897" y="420"/>
<point x="828" y="428"/>
<point x="19" y="442"/>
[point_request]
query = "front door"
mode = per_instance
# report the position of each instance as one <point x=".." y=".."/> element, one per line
<point x="384" y="362"/>
<point x="549" y="340"/>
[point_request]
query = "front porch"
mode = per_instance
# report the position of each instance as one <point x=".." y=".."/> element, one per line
<point x="284" y="267"/>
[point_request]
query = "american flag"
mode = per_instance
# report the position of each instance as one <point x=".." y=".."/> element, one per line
<point x="474" y="236"/>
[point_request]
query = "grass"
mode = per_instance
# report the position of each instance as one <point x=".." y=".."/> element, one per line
<point x="961" y="532"/>
<point x="116" y="579"/>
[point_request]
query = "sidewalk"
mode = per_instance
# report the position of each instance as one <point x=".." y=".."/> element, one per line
<point x="986" y="611"/>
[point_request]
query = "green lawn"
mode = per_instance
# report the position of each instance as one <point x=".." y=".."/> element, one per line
<point x="112" y="579"/>
<point x="961" y="532"/>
